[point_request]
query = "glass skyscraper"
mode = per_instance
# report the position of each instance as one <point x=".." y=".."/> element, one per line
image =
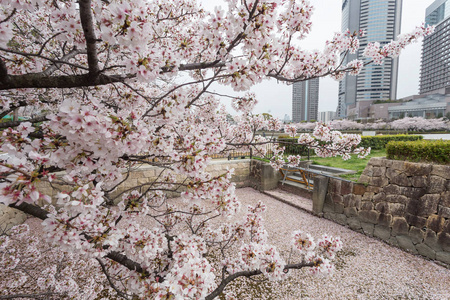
<point x="380" y="20"/>
<point x="305" y="100"/>
<point x="435" y="70"/>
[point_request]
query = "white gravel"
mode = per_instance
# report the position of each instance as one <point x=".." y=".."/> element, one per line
<point x="366" y="268"/>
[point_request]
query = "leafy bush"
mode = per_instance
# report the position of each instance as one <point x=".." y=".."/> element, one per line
<point x="380" y="141"/>
<point x="430" y="151"/>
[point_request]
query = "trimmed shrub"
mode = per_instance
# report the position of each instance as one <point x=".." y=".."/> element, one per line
<point x="380" y="141"/>
<point x="418" y="151"/>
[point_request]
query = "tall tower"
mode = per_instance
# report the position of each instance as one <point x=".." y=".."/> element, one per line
<point x="380" y="20"/>
<point x="305" y="100"/>
<point x="435" y="70"/>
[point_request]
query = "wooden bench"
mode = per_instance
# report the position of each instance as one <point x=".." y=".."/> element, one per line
<point x="305" y="174"/>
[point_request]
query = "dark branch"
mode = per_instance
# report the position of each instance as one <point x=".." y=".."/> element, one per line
<point x="36" y="80"/>
<point x="233" y="277"/>
<point x="88" y="28"/>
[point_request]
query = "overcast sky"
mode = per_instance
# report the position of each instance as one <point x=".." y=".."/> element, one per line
<point x="277" y="98"/>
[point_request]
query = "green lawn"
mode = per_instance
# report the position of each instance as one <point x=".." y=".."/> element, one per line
<point x="353" y="163"/>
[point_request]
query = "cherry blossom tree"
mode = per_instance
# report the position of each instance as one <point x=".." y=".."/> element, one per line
<point x="126" y="84"/>
<point x="420" y="124"/>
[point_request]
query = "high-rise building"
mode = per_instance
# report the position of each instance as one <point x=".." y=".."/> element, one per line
<point x="305" y="100"/>
<point x="326" y="116"/>
<point x="435" y="70"/>
<point x="380" y="20"/>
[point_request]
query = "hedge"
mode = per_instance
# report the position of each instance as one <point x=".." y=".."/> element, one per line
<point x="379" y="142"/>
<point x="420" y="151"/>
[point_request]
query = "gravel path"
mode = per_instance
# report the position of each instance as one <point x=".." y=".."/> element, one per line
<point x="366" y="268"/>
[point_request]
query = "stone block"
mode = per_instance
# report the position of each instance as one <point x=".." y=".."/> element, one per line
<point x="431" y="239"/>
<point x="425" y="206"/>
<point x="346" y="187"/>
<point x="354" y="224"/>
<point x="393" y="241"/>
<point x="366" y="205"/>
<point x="392" y="173"/>
<point x="419" y="181"/>
<point x="328" y="208"/>
<point x="352" y="201"/>
<point x="339" y="208"/>
<point x="385" y="220"/>
<point x="364" y="179"/>
<point x="405" y="242"/>
<point x="382" y="207"/>
<point x="399" y="226"/>
<point x="359" y="189"/>
<point x="380" y="197"/>
<point x="369" y="216"/>
<point x="379" y="171"/>
<point x="336" y="198"/>
<point x="368" y="228"/>
<point x="417" y="235"/>
<point x="149" y="173"/>
<point x="426" y="251"/>
<point x="334" y="186"/>
<point x="417" y="169"/>
<point x="443" y="256"/>
<point x="340" y="219"/>
<point x="435" y="223"/>
<point x="436" y="184"/>
<point x="382" y="232"/>
<point x="445" y="199"/>
<point x="379" y="181"/>
<point x="374" y="189"/>
<point x="397" y="199"/>
<point x="397" y="209"/>
<point x="446" y="226"/>
<point x="350" y="212"/>
<point x="377" y="161"/>
<point x="444" y="241"/>
<point x="441" y="170"/>
<point x="10" y="217"/>
<point x="401" y="180"/>
<point x="391" y="189"/>
<point x="412" y="192"/>
<point x="395" y="164"/>
<point x="368" y="196"/>
<point x="329" y="215"/>
<point x="368" y="171"/>
<point x="143" y="180"/>
<point x="416" y="221"/>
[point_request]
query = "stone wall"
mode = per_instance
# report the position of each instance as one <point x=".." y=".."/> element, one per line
<point x="262" y="176"/>
<point x="405" y="204"/>
<point x="10" y="217"/>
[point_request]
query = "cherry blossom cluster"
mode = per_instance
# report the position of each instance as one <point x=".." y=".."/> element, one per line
<point x="125" y="86"/>
<point x="31" y="266"/>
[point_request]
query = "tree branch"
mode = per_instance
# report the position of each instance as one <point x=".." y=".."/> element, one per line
<point x="38" y="80"/>
<point x="88" y="28"/>
<point x="232" y="277"/>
